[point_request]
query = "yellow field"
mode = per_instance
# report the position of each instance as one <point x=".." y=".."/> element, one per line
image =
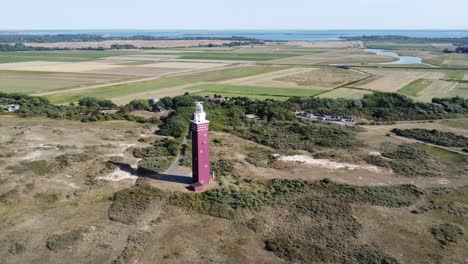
<point x="72" y="67"/>
<point x="300" y="77"/>
<point x="392" y="81"/>
<point x="186" y="65"/>
<point x="437" y="88"/>
<point x="270" y="79"/>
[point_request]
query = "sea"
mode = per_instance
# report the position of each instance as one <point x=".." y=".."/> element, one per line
<point x="283" y="35"/>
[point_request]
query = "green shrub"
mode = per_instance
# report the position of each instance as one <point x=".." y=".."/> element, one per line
<point x="260" y="158"/>
<point x="433" y="136"/>
<point x="63" y="241"/>
<point x="158" y="157"/>
<point x="447" y="233"/>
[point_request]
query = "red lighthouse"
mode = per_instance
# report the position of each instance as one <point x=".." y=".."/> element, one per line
<point x="200" y="149"/>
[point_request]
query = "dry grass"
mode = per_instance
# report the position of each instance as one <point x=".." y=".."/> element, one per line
<point x="271" y="79"/>
<point x="187" y="65"/>
<point x="392" y="81"/>
<point x="323" y="77"/>
<point x="72" y="67"/>
<point x="438" y="89"/>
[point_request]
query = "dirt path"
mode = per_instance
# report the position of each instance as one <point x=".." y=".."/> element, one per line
<point x="174" y="168"/>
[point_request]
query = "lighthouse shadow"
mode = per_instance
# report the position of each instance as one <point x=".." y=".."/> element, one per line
<point x="164" y="177"/>
<point x="170" y="178"/>
<point x="141" y="172"/>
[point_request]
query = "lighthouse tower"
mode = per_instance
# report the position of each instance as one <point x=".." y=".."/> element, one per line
<point x="200" y="149"/>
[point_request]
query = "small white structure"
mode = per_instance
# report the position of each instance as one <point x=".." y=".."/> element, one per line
<point x="12" y="108"/>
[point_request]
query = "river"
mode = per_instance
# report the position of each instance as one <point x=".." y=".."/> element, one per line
<point x="402" y="60"/>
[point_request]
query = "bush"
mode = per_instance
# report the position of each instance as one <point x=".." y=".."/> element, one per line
<point x="447" y="233"/>
<point x="260" y="158"/>
<point x="158" y="157"/>
<point x="408" y="161"/>
<point x="92" y="102"/>
<point x="447" y="139"/>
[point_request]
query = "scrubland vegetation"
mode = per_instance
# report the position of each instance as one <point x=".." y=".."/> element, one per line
<point x="447" y="139"/>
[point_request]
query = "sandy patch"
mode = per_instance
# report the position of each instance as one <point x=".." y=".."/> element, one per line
<point x="139" y="71"/>
<point x="119" y="175"/>
<point x="20" y="65"/>
<point x="33" y="155"/>
<point x="332" y="165"/>
<point x="73" y="67"/>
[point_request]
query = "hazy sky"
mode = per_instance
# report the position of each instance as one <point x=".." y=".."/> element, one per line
<point x="234" y="14"/>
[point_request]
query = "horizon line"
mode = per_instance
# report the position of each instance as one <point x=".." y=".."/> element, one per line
<point x="219" y="29"/>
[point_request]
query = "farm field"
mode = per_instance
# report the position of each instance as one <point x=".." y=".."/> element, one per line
<point x="165" y="82"/>
<point x="415" y="87"/>
<point x="443" y="60"/>
<point x="36" y="82"/>
<point x="348" y="93"/>
<point x="323" y="78"/>
<point x="170" y="71"/>
<point x="393" y="81"/>
<point x="272" y="92"/>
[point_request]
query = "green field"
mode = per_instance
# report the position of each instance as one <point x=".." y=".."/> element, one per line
<point x="460" y="90"/>
<point x="230" y="56"/>
<point x="457" y="123"/>
<point x="447" y="156"/>
<point x="30" y="86"/>
<point x="415" y="87"/>
<point x="122" y="90"/>
<point x="64" y="56"/>
<point x="252" y="91"/>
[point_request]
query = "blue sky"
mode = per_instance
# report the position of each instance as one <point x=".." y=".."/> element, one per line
<point x="234" y="14"/>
